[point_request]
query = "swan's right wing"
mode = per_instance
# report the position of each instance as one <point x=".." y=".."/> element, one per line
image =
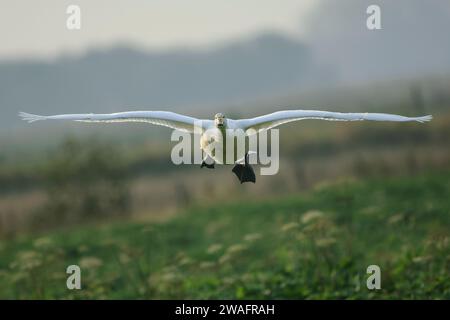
<point x="275" y="119"/>
<point x="162" y="118"/>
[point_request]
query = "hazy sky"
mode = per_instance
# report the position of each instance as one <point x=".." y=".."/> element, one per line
<point x="38" y="28"/>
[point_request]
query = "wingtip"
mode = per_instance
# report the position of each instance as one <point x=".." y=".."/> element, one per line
<point x="30" y="117"/>
<point x="425" y="118"/>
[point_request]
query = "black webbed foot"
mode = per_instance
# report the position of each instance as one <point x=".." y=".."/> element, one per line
<point x="209" y="166"/>
<point x="244" y="172"/>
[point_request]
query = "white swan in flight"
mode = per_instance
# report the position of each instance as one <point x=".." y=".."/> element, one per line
<point x="189" y="124"/>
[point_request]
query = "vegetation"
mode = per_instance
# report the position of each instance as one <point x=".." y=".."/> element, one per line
<point x="316" y="245"/>
<point x="141" y="227"/>
<point x="82" y="183"/>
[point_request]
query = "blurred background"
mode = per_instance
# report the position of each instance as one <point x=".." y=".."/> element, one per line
<point x="107" y="197"/>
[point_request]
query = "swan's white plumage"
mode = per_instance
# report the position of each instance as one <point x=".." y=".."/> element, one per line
<point x="162" y="118"/>
<point x="275" y="119"/>
<point x="185" y="123"/>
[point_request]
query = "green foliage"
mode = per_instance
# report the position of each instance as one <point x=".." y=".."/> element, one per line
<point x="83" y="182"/>
<point x="312" y="246"/>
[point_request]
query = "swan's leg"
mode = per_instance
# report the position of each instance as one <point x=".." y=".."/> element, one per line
<point x="208" y="162"/>
<point x="244" y="172"/>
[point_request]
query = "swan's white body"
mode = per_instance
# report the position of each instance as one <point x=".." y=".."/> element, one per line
<point x="251" y="125"/>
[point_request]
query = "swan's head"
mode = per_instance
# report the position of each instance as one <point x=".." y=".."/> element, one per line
<point x="219" y="120"/>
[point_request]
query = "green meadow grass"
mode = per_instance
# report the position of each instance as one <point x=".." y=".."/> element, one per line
<point x="316" y="245"/>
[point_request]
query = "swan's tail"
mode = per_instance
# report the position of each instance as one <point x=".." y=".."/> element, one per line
<point x="424" y="119"/>
<point x="31" y="117"/>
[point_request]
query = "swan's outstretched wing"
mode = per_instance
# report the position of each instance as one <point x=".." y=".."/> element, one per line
<point x="275" y="119"/>
<point x="161" y="118"/>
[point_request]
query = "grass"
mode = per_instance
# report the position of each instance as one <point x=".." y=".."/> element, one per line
<point x="304" y="246"/>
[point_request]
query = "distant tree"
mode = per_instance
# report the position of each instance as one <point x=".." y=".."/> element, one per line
<point x="84" y="181"/>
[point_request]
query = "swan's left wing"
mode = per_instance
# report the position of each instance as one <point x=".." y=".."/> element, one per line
<point x="275" y="119"/>
<point x="162" y="118"/>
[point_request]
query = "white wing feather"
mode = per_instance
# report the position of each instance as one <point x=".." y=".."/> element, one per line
<point x="161" y="118"/>
<point x="275" y="119"/>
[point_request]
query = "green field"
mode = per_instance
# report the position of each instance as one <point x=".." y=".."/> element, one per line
<point x="315" y="245"/>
